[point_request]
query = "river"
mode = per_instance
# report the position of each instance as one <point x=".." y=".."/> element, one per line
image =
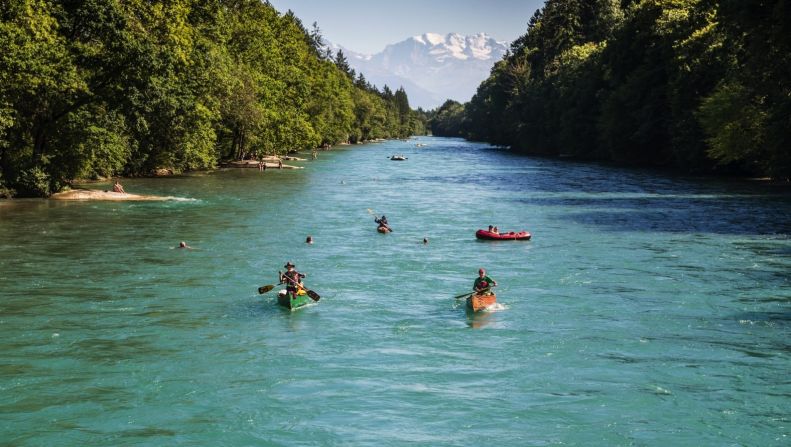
<point x="648" y="309"/>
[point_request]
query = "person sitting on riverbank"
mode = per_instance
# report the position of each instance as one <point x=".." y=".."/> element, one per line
<point x="118" y="188"/>
<point x="292" y="278"/>
<point x="483" y="284"/>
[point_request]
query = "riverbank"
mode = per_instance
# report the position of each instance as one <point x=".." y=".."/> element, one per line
<point x="95" y="194"/>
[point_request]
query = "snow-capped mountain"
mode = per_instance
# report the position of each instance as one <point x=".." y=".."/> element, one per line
<point x="431" y="67"/>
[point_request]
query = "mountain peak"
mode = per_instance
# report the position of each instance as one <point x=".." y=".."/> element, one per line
<point x="432" y="67"/>
<point x="429" y="39"/>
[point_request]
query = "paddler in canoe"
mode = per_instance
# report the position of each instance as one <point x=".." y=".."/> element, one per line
<point x="483" y="284"/>
<point x="292" y="278"/>
<point x="482" y="297"/>
<point x="384" y="227"/>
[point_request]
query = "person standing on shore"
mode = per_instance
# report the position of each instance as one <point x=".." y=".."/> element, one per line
<point x="118" y="188"/>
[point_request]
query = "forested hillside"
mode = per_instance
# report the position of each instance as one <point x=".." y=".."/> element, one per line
<point x="109" y="87"/>
<point x="697" y="85"/>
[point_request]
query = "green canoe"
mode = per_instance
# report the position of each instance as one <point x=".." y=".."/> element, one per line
<point x="286" y="301"/>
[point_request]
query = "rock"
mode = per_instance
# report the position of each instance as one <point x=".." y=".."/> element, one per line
<point x="162" y="172"/>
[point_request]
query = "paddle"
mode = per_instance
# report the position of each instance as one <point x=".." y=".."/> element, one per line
<point x="313" y="295"/>
<point x="371" y="212"/>
<point x="467" y="295"/>
<point x="264" y="289"/>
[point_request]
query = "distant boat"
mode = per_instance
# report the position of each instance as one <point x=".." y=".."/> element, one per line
<point x="398" y="158"/>
<point x="520" y="236"/>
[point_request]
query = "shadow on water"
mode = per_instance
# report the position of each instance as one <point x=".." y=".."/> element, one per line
<point x="717" y="215"/>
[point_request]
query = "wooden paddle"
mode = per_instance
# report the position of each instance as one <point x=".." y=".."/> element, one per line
<point x="370" y="211"/>
<point x="467" y="295"/>
<point x="313" y="295"/>
<point x="267" y="288"/>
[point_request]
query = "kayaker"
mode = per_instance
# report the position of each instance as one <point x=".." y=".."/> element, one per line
<point x="118" y="188"/>
<point x="483" y="283"/>
<point x="292" y="278"/>
<point x="383" y="222"/>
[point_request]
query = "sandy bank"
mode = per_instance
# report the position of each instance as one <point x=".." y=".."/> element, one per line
<point x="95" y="194"/>
<point x="254" y="164"/>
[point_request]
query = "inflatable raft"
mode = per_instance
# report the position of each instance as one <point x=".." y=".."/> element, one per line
<point x="520" y="236"/>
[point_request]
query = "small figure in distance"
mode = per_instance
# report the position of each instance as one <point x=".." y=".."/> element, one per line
<point x="491" y="228"/>
<point x="383" y="222"/>
<point x="280" y="164"/>
<point x="118" y="188"/>
<point x="309" y="240"/>
<point x="495" y="230"/>
<point x="292" y="278"/>
<point x="425" y="241"/>
<point x="183" y="244"/>
<point x="483" y="283"/>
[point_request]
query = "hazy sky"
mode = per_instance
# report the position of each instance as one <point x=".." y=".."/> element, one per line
<point x="367" y="26"/>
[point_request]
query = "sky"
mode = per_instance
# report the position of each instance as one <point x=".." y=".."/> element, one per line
<point x="367" y="26"/>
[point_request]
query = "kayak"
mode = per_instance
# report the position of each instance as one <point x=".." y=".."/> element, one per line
<point x="285" y="300"/>
<point x="383" y="230"/>
<point x="512" y="236"/>
<point x="480" y="302"/>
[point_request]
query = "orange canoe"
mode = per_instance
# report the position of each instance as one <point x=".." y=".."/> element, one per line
<point x="480" y="302"/>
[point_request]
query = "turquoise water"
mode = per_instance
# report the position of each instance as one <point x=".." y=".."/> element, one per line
<point x="647" y="310"/>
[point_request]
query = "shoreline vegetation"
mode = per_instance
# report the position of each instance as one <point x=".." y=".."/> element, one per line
<point x="691" y="86"/>
<point x="117" y="89"/>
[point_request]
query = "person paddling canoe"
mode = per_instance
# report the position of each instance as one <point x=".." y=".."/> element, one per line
<point x="383" y="222"/>
<point x="292" y="278"/>
<point x="483" y="283"/>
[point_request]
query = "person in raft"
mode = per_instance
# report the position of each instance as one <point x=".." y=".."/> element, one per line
<point x="483" y="283"/>
<point x="292" y="278"/>
<point x="383" y="222"/>
<point x="118" y="188"/>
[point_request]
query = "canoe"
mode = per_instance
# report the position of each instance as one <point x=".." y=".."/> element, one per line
<point x="480" y="302"/>
<point x="383" y="230"/>
<point x="511" y="236"/>
<point x="285" y="300"/>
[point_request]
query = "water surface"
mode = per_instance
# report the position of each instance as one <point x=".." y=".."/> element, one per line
<point x="647" y="310"/>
